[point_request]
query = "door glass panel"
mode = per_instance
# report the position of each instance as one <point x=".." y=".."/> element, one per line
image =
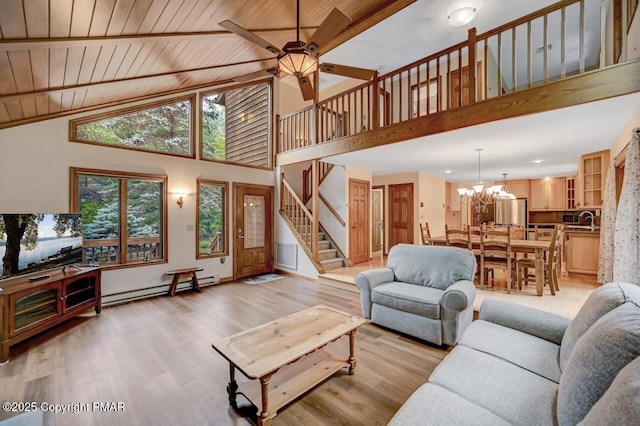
<point x="35" y="307"/>
<point x="254" y="226"/>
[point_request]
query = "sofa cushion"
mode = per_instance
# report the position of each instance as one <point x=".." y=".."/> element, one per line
<point x="431" y="266"/>
<point x="419" y="300"/>
<point x="508" y="391"/>
<point x="620" y="404"/>
<point x="601" y="301"/>
<point x="434" y="405"/>
<point x="597" y="358"/>
<point x="532" y="353"/>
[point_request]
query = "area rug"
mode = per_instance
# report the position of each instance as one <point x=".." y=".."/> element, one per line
<point x="261" y="279"/>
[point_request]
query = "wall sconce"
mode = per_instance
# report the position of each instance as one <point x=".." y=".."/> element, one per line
<point x="180" y="198"/>
<point x="462" y="16"/>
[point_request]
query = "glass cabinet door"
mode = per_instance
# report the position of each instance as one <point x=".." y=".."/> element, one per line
<point x="78" y="291"/>
<point x="33" y="306"/>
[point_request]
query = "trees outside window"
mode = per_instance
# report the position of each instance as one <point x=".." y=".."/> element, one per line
<point x="124" y="216"/>
<point x="160" y="127"/>
<point x="211" y="236"/>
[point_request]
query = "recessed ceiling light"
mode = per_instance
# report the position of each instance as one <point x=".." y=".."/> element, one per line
<point x="462" y="16"/>
<point x="537" y="161"/>
<point x="448" y="171"/>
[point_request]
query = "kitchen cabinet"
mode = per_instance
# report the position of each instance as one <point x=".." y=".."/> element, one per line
<point x="547" y="194"/>
<point x="518" y="187"/>
<point x="582" y="251"/>
<point x="571" y="193"/>
<point x="30" y="306"/>
<point x="592" y="172"/>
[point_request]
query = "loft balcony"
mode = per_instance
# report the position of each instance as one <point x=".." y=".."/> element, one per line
<point x="560" y="56"/>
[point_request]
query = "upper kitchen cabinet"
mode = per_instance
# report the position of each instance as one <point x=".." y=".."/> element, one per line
<point x="592" y="172"/>
<point x="518" y="187"/>
<point x="547" y="194"/>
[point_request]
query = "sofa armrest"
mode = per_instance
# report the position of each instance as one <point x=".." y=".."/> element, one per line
<point x="458" y="296"/>
<point x="536" y="322"/>
<point x="366" y="281"/>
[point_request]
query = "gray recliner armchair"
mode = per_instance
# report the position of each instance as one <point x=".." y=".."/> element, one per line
<point x="425" y="291"/>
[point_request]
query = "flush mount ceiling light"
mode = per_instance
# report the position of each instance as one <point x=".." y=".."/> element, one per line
<point x="462" y="16"/>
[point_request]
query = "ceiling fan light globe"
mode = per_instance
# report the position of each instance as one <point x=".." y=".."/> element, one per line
<point x="297" y="61"/>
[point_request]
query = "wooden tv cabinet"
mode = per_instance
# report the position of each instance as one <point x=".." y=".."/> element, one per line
<point x="31" y="306"/>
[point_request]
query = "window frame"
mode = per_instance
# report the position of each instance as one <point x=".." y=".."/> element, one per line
<point x="75" y="172"/>
<point x="192" y="98"/>
<point x="270" y="126"/>
<point x="225" y="218"/>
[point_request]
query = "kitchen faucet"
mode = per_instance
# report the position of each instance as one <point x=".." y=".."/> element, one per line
<point x="589" y="216"/>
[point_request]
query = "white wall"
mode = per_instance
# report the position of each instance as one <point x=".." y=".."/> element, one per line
<point x="34" y="177"/>
<point x="334" y="190"/>
<point x="625" y="135"/>
<point x="431" y="203"/>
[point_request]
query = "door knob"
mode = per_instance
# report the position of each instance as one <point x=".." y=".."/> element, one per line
<point x="241" y="237"/>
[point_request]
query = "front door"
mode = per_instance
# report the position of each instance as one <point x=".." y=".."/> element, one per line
<point x="400" y="214"/>
<point x="359" y="245"/>
<point x="252" y="230"/>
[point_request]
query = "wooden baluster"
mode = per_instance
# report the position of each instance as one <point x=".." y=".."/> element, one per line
<point x="545" y="45"/>
<point x="582" y="36"/>
<point x="460" y="85"/>
<point x="486" y="67"/>
<point x="499" y="64"/>
<point x="529" y="56"/>
<point x="514" y="83"/>
<point x="563" y="48"/>
<point x="449" y="87"/>
<point x="471" y="45"/>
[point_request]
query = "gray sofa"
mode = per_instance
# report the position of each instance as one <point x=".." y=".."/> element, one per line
<point x="519" y="365"/>
<point x="425" y="291"/>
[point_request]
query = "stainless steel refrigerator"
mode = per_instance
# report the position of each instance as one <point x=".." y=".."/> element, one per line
<point x="511" y="212"/>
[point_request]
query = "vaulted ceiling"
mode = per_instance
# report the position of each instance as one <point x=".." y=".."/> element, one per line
<point x="65" y="56"/>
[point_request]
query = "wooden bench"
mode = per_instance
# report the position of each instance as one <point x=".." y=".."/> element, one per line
<point x="179" y="273"/>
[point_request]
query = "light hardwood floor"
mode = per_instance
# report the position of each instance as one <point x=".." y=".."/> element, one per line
<point x="155" y="355"/>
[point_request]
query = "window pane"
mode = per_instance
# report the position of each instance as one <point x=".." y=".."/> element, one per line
<point x="254" y="226"/>
<point x="211" y="218"/>
<point x="163" y="128"/>
<point x="144" y="220"/>
<point x="99" y="204"/>
<point x="235" y="125"/>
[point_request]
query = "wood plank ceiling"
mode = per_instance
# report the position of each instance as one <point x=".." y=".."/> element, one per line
<point x="59" y="57"/>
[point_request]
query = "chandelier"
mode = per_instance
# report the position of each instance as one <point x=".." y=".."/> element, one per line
<point x="480" y="196"/>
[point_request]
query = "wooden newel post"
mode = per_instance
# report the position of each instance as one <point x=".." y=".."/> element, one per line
<point x="315" y="207"/>
<point x="472" y="66"/>
<point x="282" y="204"/>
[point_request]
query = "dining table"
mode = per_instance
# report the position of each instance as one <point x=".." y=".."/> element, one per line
<point x="538" y="248"/>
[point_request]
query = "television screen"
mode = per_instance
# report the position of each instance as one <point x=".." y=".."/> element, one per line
<point x="37" y="242"/>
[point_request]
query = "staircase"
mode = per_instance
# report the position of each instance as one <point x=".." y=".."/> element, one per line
<point x="329" y="257"/>
<point x="300" y="220"/>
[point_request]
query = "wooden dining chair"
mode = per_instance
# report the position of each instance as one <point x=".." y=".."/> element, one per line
<point x="496" y="253"/>
<point x="425" y="233"/>
<point x="525" y="265"/>
<point x="458" y="237"/>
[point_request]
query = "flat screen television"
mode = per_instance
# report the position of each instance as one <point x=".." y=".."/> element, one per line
<point x="37" y="242"/>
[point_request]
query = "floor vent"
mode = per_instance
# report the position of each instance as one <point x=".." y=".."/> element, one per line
<point x="287" y="255"/>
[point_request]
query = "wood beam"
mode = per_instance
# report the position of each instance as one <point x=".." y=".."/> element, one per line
<point x="618" y="80"/>
<point x="375" y="16"/>
<point x="8" y="45"/>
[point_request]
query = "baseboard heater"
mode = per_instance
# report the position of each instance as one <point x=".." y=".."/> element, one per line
<point x="123" y="297"/>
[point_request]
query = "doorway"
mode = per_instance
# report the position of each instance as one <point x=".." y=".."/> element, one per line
<point x="359" y="231"/>
<point x="400" y="214"/>
<point x="377" y="219"/>
<point x="252" y="230"/>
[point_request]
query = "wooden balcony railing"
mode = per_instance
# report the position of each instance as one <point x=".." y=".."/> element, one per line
<point x="107" y="250"/>
<point x="554" y="43"/>
<point x="307" y="182"/>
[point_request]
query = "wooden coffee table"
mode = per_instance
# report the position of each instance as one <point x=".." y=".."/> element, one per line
<point x="292" y="347"/>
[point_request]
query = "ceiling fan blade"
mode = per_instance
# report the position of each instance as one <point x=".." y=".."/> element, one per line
<point x="248" y="35"/>
<point x="333" y="25"/>
<point x="306" y="88"/>
<point x="257" y="74"/>
<point x="347" y="71"/>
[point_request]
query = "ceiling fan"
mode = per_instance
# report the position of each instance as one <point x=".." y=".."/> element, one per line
<point x="300" y="59"/>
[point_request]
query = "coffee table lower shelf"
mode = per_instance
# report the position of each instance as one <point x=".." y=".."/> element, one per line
<point x="293" y="380"/>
